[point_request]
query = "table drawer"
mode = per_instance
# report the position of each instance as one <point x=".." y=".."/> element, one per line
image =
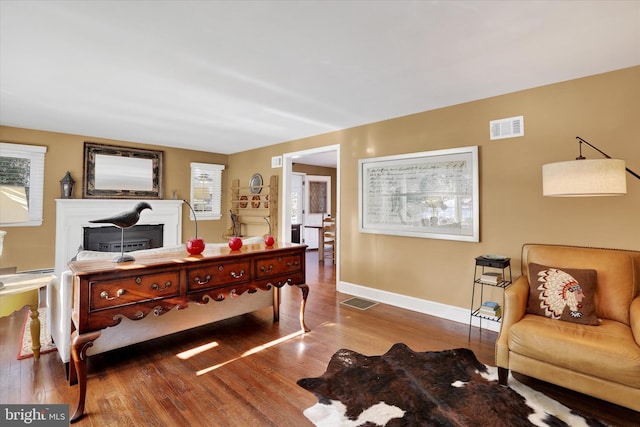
<point x="282" y="264"/>
<point x="218" y="274"/>
<point x="133" y="289"/>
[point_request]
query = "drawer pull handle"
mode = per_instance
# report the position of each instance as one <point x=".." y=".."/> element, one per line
<point x="266" y="270"/>
<point x="237" y="275"/>
<point x="157" y="287"/>
<point x="295" y="264"/>
<point x="202" y="282"/>
<point x="105" y="294"/>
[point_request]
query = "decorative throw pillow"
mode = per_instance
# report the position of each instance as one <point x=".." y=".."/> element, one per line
<point x="563" y="293"/>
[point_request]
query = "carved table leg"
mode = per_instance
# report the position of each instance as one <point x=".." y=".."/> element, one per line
<point x="34" y="326"/>
<point x="304" y="288"/>
<point x="79" y="346"/>
<point x="73" y="376"/>
<point x="276" y="304"/>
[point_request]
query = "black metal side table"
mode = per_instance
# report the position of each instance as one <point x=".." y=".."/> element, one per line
<point x="488" y="263"/>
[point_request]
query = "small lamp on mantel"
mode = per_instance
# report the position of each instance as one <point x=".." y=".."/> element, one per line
<point x="66" y="186"/>
<point x="586" y="178"/>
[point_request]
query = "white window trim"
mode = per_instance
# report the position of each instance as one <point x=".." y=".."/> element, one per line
<point x="36" y="154"/>
<point x="216" y="171"/>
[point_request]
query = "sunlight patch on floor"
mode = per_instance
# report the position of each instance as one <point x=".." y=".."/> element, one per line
<point x="250" y="352"/>
<point x="197" y="350"/>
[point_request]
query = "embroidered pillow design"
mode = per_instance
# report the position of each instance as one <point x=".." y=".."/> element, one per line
<point x="563" y="293"/>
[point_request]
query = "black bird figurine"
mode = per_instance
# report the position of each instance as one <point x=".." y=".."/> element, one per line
<point x="124" y="220"/>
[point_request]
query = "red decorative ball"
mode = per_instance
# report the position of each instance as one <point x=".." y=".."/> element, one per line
<point x="195" y="246"/>
<point x="269" y="241"/>
<point x="235" y="243"/>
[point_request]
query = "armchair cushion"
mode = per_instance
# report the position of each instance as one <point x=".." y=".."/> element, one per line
<point x="608" y="351"/>
<point x="563" y="293"/>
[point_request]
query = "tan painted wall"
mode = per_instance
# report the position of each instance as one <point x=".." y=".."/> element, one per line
<point x="243" y="165"/>
<point x="604" y="109"/>
<point x="33" y="247"/>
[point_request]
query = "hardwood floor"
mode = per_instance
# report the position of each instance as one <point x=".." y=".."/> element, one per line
<point x="243" y="371"/>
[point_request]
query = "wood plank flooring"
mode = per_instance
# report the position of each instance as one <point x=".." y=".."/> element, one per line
<point x="243" y="371"/>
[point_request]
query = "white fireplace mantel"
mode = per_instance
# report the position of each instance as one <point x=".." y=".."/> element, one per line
<point x="72" y="215"/>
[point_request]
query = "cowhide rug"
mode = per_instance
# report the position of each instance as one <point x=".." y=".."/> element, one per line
<point x="439" y="388"/>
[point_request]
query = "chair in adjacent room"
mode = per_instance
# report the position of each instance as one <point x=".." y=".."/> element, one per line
<point x="329" y="239"/>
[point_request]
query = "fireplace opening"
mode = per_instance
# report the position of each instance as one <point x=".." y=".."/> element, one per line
<point x="107" y="239"/>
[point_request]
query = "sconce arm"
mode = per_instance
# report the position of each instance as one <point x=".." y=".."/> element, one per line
<point x="580" y="141"/>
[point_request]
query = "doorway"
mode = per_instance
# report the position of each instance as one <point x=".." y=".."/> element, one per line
<point x="328" y="156"/>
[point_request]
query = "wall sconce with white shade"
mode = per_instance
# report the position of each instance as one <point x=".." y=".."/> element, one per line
<point x="585" y="178"/>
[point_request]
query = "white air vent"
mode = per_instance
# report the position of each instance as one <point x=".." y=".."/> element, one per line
<point x="506" y="128"/>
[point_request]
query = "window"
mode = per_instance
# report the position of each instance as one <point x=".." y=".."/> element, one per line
<point x="318" y="197"/>
<point x="206" y="190"/>
<point x="23" y="166"/>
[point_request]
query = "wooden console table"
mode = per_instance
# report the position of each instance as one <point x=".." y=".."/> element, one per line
<point x="104" y="292"/>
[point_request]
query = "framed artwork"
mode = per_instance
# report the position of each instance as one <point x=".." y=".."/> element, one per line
<point x="113" y="172"/>
<point x="431" y="194"/>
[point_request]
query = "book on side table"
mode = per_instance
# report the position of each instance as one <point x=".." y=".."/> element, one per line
<point x="491" y="310"/>
<point x="491" y="278"/>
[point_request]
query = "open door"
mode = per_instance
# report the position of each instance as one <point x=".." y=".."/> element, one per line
<point x="296" y="204"/>
<point x="317" y="207"/>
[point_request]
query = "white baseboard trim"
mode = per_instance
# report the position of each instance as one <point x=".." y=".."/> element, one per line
<point x="444" y="311"/>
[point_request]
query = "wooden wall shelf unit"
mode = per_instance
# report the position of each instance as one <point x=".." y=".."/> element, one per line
<point x="252" y="208"/>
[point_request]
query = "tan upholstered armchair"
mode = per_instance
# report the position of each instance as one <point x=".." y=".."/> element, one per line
<point x="601" y="361"/>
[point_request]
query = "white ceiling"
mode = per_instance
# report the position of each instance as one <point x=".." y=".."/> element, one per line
<point x="225" y="77"/>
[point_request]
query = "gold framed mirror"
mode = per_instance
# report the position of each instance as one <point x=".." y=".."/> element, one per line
<point x="114" y="172"/>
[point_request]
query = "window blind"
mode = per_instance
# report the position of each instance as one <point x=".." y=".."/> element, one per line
<point x="206" y="190"/>
<point x="23" y="165"/>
